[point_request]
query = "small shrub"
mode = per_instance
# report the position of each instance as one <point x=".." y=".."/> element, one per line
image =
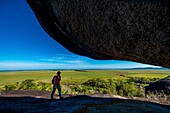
<point x="9" y="87"/>
<point x="28" y="85"/>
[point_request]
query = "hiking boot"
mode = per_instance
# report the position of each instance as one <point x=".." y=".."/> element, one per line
<point x="61" y="97"/>
<point x="52" y="98"/>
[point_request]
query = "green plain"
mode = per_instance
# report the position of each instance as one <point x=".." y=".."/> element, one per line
<point x="71" y="76"/>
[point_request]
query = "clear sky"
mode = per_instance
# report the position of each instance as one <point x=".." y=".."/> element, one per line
<point x="24" y="44"/>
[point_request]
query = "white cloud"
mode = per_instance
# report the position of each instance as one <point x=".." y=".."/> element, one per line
<point x="64" y="59"/>
<point x="34" y="65"/>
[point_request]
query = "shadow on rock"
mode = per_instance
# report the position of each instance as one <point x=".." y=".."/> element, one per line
<point x="78" y="104"/>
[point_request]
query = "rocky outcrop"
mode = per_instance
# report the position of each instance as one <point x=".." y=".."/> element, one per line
<point x="30" y="102"/>
<point x="161" y="86"/>
<point x="133" y="30"/>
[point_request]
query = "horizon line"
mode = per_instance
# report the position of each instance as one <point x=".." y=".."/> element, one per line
<point x="136" y="68"/>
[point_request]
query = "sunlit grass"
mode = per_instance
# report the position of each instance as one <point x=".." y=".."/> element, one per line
<point x="13" y="77"/>
<point x="71" y="76"/>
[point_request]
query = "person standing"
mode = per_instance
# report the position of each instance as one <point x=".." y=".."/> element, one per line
<point x="56" y="85"/>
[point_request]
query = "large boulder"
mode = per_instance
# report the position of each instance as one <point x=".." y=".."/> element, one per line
<point x="161" y="86"/>
<point x="133" y="30"/>
<point x="33" y="101"/>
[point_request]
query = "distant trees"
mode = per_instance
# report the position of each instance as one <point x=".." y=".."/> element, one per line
<point x="115" y="87"/>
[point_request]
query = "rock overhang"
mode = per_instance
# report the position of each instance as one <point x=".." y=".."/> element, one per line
<point x="133" y="30"/>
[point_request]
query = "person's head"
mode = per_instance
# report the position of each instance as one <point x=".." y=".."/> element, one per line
<point x="58" y="73"/>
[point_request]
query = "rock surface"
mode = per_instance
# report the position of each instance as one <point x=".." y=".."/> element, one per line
<point x="39" y="102"/>
<point x="161" y="86"/>
<point x="133" y="30"/>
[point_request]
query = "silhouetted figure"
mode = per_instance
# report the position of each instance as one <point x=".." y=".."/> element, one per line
<point x="56" y="84"/>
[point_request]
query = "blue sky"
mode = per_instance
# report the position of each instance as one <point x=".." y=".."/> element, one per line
<point x="24" y="44"/>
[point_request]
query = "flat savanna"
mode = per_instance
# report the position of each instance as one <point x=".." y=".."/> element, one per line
<point x="78" y="76"/>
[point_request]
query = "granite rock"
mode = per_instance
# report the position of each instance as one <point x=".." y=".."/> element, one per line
<point x="132" y="30"/>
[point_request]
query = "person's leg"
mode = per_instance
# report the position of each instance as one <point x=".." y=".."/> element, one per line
<point x="54" y="89"/>
<point x="59" y="90"/>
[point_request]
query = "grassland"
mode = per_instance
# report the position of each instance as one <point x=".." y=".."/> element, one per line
<point x="71" y="76"/>
<point x="128" y="83"/>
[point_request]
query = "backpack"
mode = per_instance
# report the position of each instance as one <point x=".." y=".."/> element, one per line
<point x="52" y="81"/>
